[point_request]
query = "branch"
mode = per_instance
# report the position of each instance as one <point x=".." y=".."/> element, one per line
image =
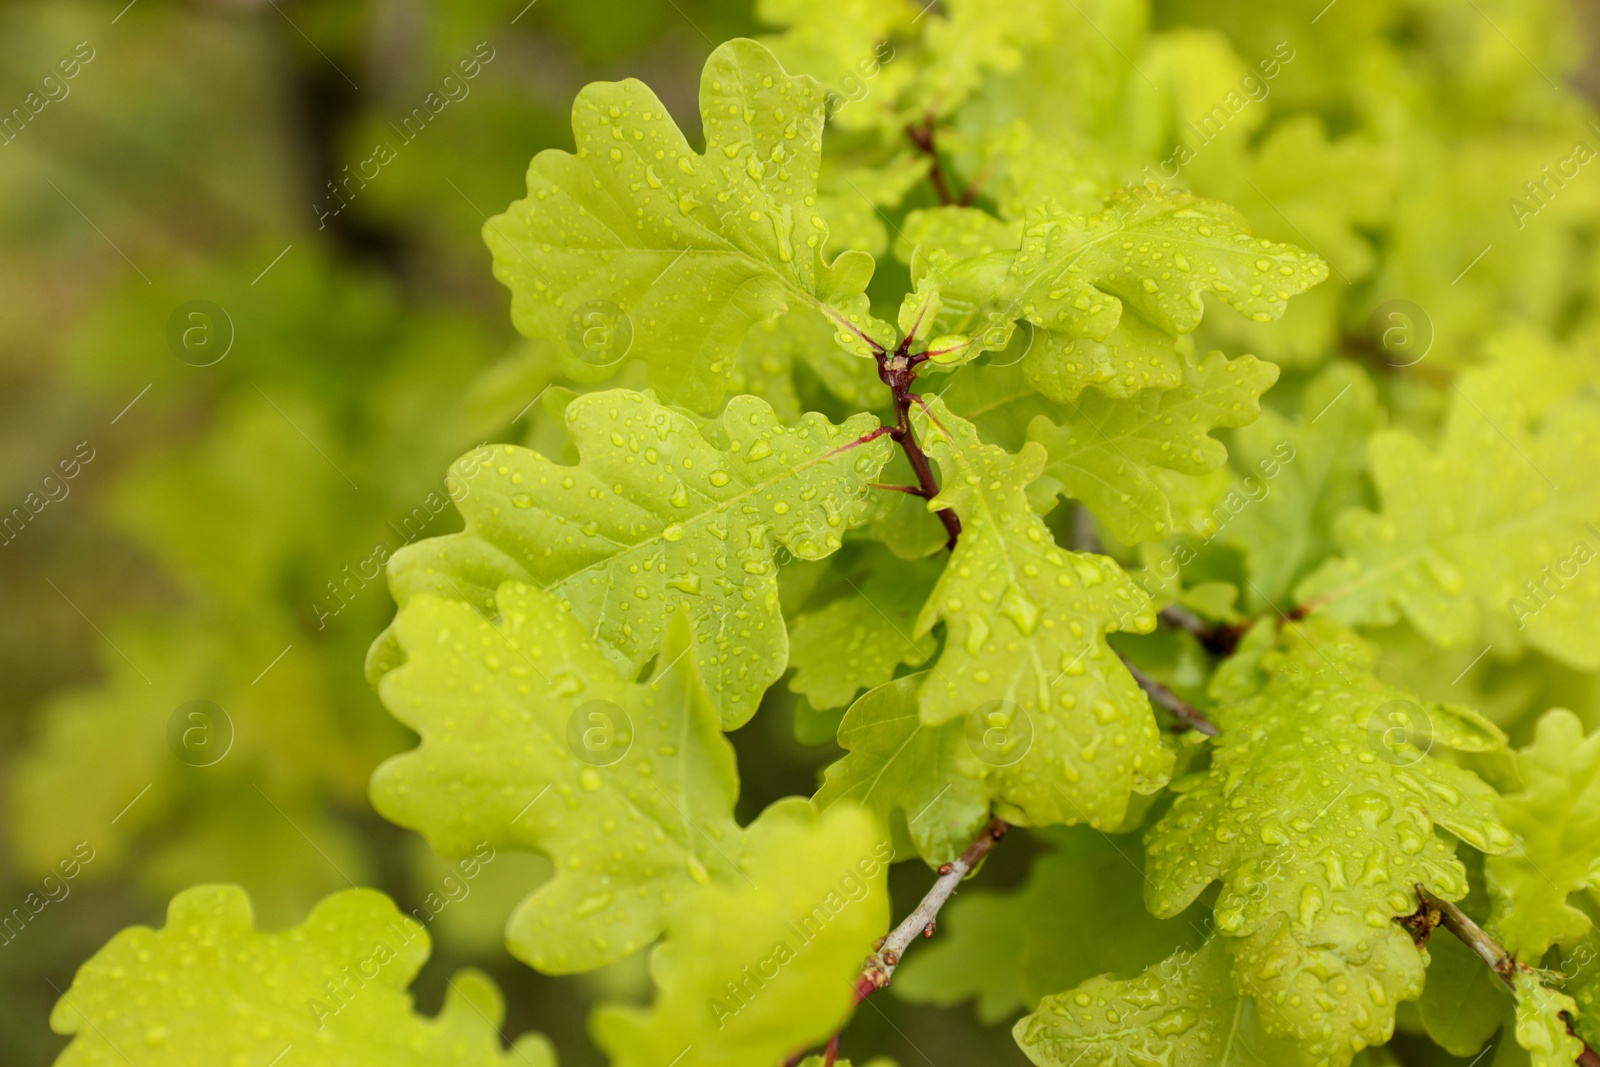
<point x="919" y="464"/>
<point x="1217" y="639"/>
<point x="922" y="137"/>
<point x="881" y="964"/>
<point x="1188" y="716"/>
<point x="1439" y="912"/>
<point x="898" y="370"/>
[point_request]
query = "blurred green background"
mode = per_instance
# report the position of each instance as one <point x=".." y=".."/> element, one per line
<point x="238" y="465"/>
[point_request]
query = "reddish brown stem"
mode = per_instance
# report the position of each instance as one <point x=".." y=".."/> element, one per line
<point x="970" y="193"/>
<point x="922" y="137"/>
<point x="898" y="370"/>
<point x="1218" y="639"/>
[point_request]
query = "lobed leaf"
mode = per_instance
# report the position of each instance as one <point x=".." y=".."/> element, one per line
<point x="1025" y="654"/>
<point x="531" y="741"/>
<point x="210" y="988"/>
<point x="1556" y="820"/>
<point x="754" y="968"/>
<point x="1182" y="1012"/>
<point x="897" y="764"/>
<point x="659" y="515"/>
<point x="1317" y="816"/>
<point x="683" y="251"/>
<point x="1150" y="252"/>
<point x="1494" y="528"/>
<point x="1103" y="455"/>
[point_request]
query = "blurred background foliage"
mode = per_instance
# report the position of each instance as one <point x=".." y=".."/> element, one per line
<point x="222" y="542"/>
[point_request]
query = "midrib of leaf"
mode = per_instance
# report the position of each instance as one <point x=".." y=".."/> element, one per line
<point x="688" y="842"/>
<point x="728" y="250"/>
<point x="889" y="761"/>
<point x="1558" y="506"/>
<point x="1047" y="267"/>
<point x="718" y="508"/>
<point x="1233" y="1032"/>
<point x="1010" y="398"/>
<point x="1111" y="442"/>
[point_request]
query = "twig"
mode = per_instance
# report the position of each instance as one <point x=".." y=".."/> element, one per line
<point x="922" y="137"/>
<point x="881" y="964"/>
<point x="898" y="370"/>
<point x="1217" y="639"/>
<point x="974" y="187"/>
<point x="1436" y="911"/>
<point x="1187" y="715"/>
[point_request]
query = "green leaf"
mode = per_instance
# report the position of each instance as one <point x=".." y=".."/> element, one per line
<point x="968" y="41"/>
<point x="1493" y="528"/>
<point x="1329" y="195"/>
<point x="858" y="640"/>
<point x="656" y="517"/>
<point x="836" y="44"/>
<point x="1025" y="652"/>
<point x="1104" y="453"/>
<point x="1541" y="1028"/>
<point x="759" y="966"/>
<point x="897" y="763"/>
<point x="1181" y="1012"/>
<point x="958" y="232"/>
<point x="1298" y="476"/>
<point x="522" y="721"/>
<point x="997" y="399"/>
<point x="1149" y="252"/>
<point x="772" y="351"/>
<point x="1556" y="818"/>
<point x="1300" y="185"/>
<point x="1070" y="170"/>
<point x="210" y="988"/>
<point x="854" y="200"/>
<point x="1463" y="1002"/>
<point x="1081" y="913"/>
<point x="1157" y="252"/>
<point x="1132" y="355"/>
<point x="1583" y="984"/>
<point x="688" y="250"/>
<point x="1317" y="816"/>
